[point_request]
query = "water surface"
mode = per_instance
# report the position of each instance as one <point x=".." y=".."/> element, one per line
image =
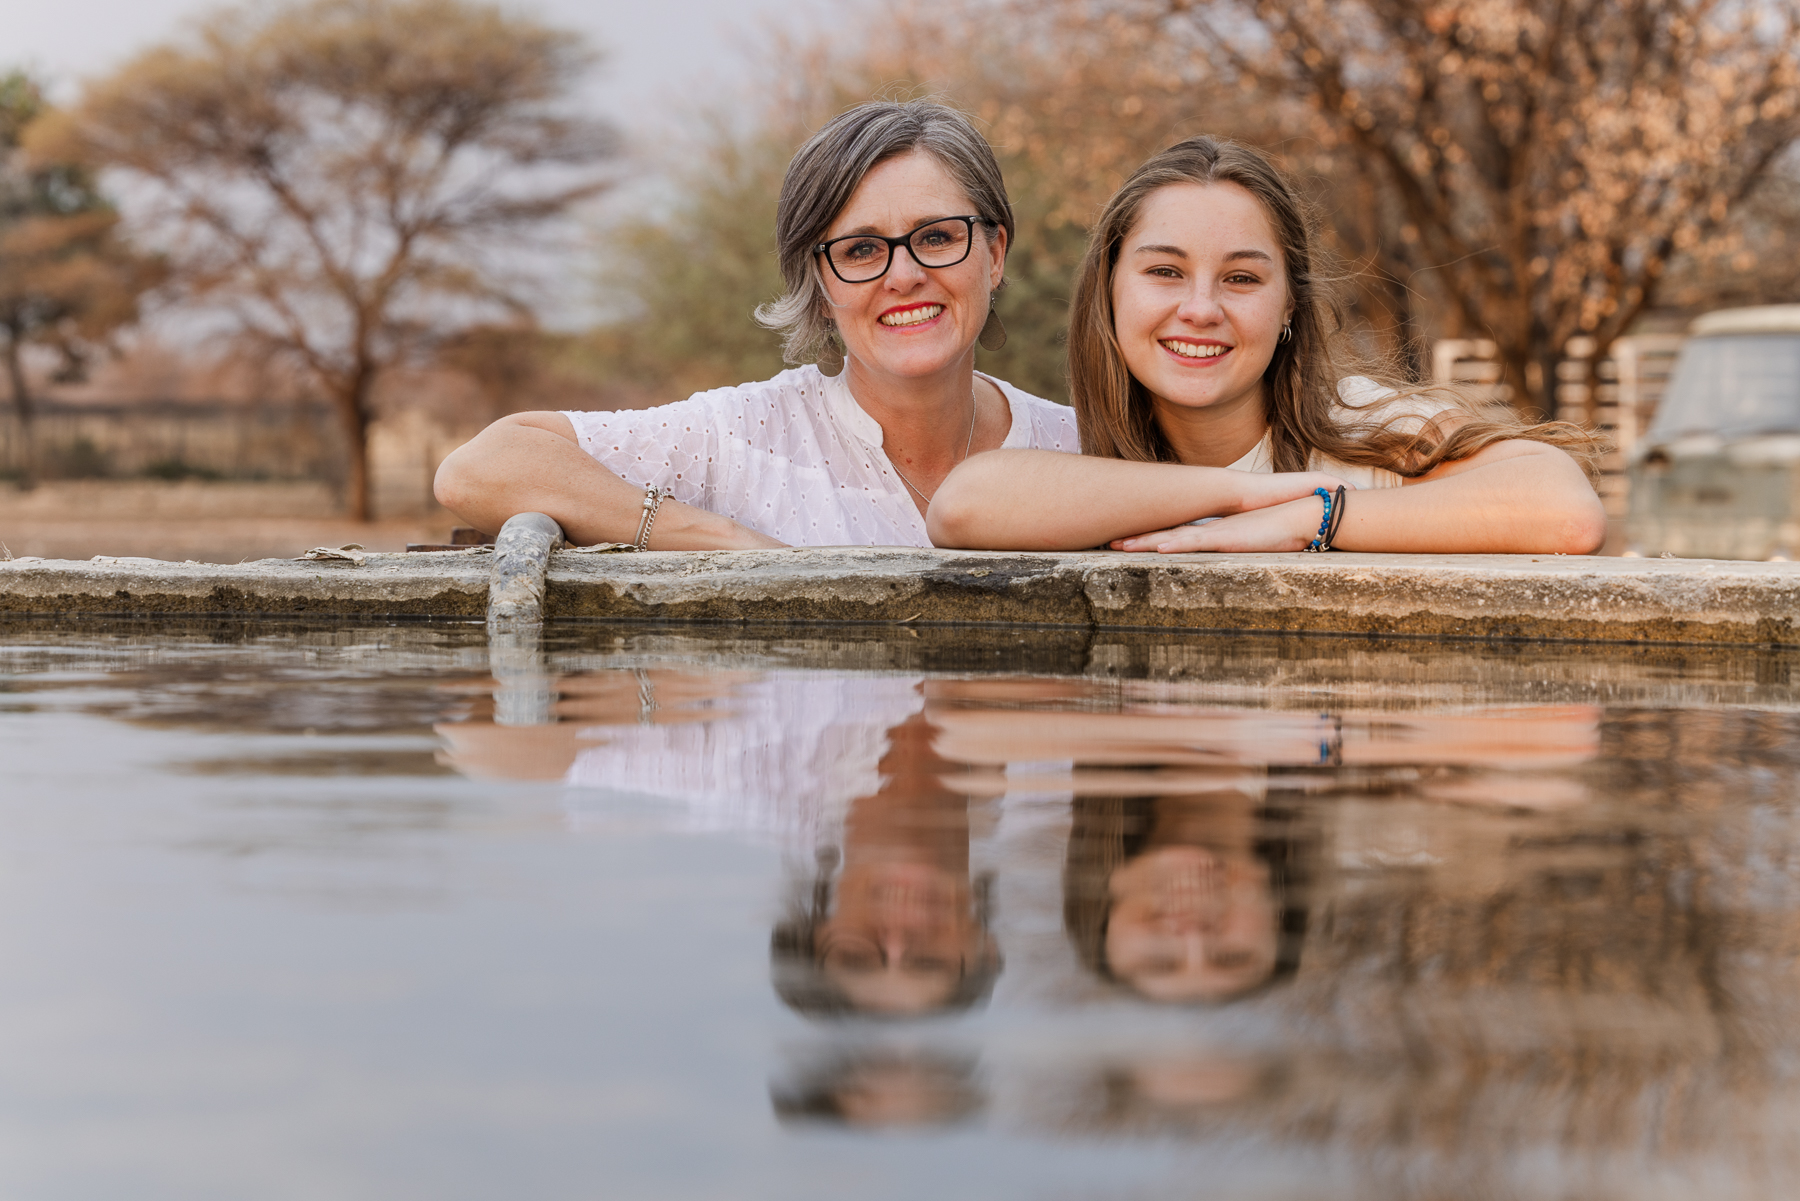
<point x="367" y="912"/>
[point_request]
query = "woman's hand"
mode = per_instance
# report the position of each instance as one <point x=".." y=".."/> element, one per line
<point x="1288" y="526"/>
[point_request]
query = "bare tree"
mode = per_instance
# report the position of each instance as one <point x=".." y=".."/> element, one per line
<point x="67" y="281"/>
<point x="345" y="179"/>
<point x="1542" y="160"/>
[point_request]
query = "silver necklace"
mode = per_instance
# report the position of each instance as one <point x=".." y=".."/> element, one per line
<point x="965" y="455"/>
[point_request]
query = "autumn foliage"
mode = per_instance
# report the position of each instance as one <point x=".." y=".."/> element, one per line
<point x="1538" y="163"/>
<point x="1520" y="170"/>
<point x="68" y="280"/>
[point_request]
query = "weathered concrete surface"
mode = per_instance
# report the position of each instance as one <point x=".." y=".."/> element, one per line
<point x="1469" y="596"/>
<point x="1477" y="596"/>
<point x="444" y="584"/>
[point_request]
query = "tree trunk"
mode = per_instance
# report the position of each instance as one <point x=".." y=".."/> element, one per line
<point x="353" y="409"/>
<point x="21" y="398"/>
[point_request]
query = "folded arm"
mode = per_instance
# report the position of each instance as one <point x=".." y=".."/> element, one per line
<point x="532" y="463"/>
<point x="1046" y="500"/>
<point x="1514" y="497"/>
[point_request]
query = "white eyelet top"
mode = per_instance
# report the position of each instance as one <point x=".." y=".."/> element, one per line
<point x="794" y="457"/>
<point x="781" y="758"/>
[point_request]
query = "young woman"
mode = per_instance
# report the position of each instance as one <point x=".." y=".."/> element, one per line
<point x="1200" y="351"/>
<point x="1185" y="898"/>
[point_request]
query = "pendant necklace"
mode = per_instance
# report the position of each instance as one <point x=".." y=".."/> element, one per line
<point x="965" y="454"/>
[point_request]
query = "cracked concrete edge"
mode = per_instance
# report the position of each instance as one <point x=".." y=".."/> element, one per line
<point x="1480" y="597"/>
<point x="451" y="584"/>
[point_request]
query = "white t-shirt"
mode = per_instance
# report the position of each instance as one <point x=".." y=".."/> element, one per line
<point x="1364" y="394"/>
<point x="794" y="457"/>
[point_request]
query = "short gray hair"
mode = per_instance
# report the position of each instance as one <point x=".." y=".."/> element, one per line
<point x="829" y="169"/>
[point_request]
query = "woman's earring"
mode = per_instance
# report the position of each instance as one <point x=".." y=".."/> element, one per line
<point x="993" y="330"/>
<point x="1287" y="331"/>
<point x="831" y="355"/>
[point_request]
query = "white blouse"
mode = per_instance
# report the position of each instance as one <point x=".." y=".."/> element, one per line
<point x="780" y="760"/>
<point x="794" y="457"/>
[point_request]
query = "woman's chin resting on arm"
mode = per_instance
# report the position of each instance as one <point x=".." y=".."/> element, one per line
<point x="1202" y="352"/>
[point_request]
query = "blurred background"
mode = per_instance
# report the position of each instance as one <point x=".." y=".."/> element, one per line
<point x="263" y="267"/>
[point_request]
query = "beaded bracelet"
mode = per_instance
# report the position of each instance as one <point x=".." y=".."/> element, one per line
<point x="652" y="502"/>
<point x="1330" y="521"/>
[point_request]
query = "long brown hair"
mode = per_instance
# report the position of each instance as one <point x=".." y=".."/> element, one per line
<point x="1114" y="410"/>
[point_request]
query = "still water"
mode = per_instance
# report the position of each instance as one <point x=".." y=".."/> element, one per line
<point x="344" y="913"/>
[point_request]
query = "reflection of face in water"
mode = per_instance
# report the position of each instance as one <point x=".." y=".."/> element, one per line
<point x="1191" y="923"/>
<point x="901" y="929"/>
<point x="1187" y="898"/>
<point x="901" y="938"/>
<point x="881" y="1089"/>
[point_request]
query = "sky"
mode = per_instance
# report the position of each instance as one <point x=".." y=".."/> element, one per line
<point x="661" y="59"/>
<point x="663" y="53"/>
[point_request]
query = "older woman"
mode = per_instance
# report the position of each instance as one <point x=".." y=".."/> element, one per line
<point x="1201" y="351"/>
<point x="893" y="229"/>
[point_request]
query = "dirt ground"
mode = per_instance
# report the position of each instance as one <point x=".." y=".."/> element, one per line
<point x="210" y="540"/>
<point x="210" y="523"/>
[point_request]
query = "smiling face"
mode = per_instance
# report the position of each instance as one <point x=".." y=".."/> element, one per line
<point x="902" y="937"/>
<point x="1192" y="924"/>
<point x="1199" y="297"/>
<point x="914" y="322"/>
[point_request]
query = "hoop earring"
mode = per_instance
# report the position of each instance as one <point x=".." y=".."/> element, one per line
<point x="1287" y="331"/>
<point x="993" y="330"/>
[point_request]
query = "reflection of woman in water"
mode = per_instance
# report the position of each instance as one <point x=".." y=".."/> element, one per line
<point x="881" y="1088"/>
<point x="902" y="928"/>
<point x="1184" y="898"/>
<point x="813" y="762"/>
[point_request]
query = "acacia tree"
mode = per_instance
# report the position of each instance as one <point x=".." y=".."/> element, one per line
<point x="1541" y="162"/>
<point x="67" y="280"/>
<point x="345" y="180"/>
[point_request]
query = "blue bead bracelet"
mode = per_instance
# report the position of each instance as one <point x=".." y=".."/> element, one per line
<point x="1329" y="523"/>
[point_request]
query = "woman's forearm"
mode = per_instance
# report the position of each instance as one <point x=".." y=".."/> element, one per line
<point x="1047" y="500"/>
<point x="529" y="463"/>
<point x="1512" y="498"/>
<point x="1534" y="503"/>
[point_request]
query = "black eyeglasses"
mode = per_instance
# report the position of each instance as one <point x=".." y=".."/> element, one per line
<point x="860" y="258"/>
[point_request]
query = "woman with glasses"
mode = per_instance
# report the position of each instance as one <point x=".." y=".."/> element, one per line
<point x="893" y="228"/>
<point x="1203" y="337"/>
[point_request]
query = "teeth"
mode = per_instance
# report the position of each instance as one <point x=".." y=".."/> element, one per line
<point x="1188" y="350"/>
<point x="913" y="316"/>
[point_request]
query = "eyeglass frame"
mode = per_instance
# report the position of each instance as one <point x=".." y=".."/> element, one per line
<point x="903" y="241"/>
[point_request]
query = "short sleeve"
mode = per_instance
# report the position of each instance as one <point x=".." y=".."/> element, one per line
<point x="676" y="447"/>
<point x="1365" y="402"/>
<point x="1039" y="424"/>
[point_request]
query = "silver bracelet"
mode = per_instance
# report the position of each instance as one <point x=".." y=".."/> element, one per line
<point x="652" y="502"/>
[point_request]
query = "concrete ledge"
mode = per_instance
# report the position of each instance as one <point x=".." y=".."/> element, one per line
<point x="1477" y="596"/>
<point x="447" y="584"/>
